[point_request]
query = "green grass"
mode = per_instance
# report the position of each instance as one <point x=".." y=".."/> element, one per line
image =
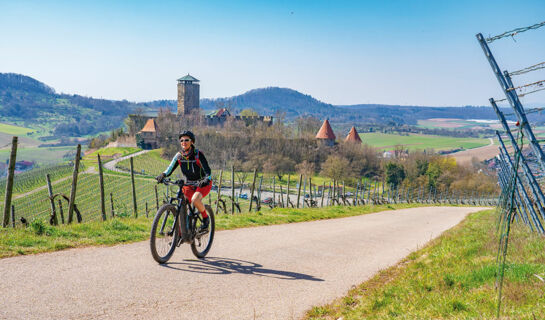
<point x="420" y="142"/>
<point x="452" y="278"/>
<point x="150" y="163"/>
<point x="14" y="130"/>
<point x="48" y="155"/>
<point x="41" y="237"/>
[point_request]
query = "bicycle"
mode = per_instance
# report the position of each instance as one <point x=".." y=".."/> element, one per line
<point x="174" y="216"/>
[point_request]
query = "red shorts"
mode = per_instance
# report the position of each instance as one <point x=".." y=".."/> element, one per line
<point x="189" y="191"/>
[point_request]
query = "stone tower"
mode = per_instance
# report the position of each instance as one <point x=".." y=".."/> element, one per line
<point x="188" y="95"/>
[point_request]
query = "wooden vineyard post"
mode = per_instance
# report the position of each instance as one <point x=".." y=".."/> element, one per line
<point x="274" y="192"/>
<point x="356" y="194"/>
<point x="281" y="197"/>
<point x="299" y="190"/>
<point x="112" y="204"/>
<point x="310" y="189"/>
<point x="157" y="199"/>
<point x="288" y="193"/>
<point x="12" y="216"/>
<point x="74" y="185"/>
<point x="9" y="182"/>
<point x="61" y="211"/>
<point x="329" y="195"/>
<point x="53" y="218"/>
<point x="304" y="191"/>
<point x="134" y="208"/>
<point x="323" y="192"/>
<point x="233" y="189"/>
<point x="252" y="190"/>
<point x="259" y="190"/>
<point x="219" y="191"/>
<point x="101" y="184"/>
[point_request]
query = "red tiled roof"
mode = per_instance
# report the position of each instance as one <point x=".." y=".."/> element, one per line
<point x="353" y="136"/>
<point x="150" y="126"/>
<point x="325" y="132"/>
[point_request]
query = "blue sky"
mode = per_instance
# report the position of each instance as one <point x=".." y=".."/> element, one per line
<point x="341" y="52"/>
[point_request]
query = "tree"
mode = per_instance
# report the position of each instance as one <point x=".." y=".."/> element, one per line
<point x="395" y="173"/>
<point x="336" y="167"/>
<point x="278" y="165"/>
<point x="249" y="112"/>
<point x="306" y="168"/>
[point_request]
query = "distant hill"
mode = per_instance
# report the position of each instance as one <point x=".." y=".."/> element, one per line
<point x="268" y="101"/>
<point x="24" y="99"/>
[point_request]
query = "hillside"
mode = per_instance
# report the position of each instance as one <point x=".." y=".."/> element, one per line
<point x="26" y="101"/>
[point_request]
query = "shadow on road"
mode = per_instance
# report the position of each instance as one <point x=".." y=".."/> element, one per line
<point x="216" y="265"/>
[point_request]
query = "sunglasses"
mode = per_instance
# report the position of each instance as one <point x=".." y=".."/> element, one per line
<point x="185" y="140"/>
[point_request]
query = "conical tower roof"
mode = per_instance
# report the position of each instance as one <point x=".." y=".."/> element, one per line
<point x="353" y="136"/>
<point x="150" y="126"/>
<point x="325" y="132"/>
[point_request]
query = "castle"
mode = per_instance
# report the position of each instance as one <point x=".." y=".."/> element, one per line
<point x="188" y="103"/>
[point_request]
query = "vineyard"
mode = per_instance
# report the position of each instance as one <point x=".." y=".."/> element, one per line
<point x="35" y="178"/>
<point x="241" y="191"/>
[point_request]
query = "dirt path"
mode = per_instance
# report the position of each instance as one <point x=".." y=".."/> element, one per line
<point x="274" y="272"/>
<point x="481" y="153"/>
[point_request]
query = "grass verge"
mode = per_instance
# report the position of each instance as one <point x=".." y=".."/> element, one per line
<point x="453" y="277"/>
<point x="41" y="237"/>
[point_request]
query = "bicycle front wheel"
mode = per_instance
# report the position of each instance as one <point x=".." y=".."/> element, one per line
<point x="203" y="241"/>
<point x="164" y="233"/>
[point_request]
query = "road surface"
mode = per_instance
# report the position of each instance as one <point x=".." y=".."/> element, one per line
<point x="272" y="272"/>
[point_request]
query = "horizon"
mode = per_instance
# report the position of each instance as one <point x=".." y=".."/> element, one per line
<point x="409" y="54"/>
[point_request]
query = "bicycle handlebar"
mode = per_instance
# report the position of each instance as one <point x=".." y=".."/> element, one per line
<point x="181" y="182"/>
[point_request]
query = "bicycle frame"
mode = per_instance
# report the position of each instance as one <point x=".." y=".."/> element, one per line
<point x="179" y="201"/>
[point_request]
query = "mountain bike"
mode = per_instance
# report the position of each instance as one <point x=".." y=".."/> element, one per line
<point x="176" y="218"/>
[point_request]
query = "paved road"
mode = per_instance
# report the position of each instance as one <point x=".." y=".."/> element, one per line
<point x="111" y="164"/>
<point x="274" y="272"/>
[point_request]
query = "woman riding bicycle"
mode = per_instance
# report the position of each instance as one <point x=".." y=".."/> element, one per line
<point x="195" y="169"/>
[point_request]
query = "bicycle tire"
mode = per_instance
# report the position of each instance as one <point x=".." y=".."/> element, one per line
<point x="165" y="215"/>
<point x="199" y="249"/>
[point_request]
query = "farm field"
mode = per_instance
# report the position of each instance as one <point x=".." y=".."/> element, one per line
<point x="47" y="155"/>
<point x="385" y="141"/>
<point x="14" y="130"/>
<point x="444" y="123"/>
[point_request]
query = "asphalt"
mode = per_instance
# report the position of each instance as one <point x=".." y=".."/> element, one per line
<point x="272" y="272"/>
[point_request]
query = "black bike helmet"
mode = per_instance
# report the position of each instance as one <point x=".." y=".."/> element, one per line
<point x="187" y="133"/>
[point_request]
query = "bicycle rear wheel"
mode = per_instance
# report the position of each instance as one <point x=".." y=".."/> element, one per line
<point x="203" y="241"/>
<point x="164" y="233"/>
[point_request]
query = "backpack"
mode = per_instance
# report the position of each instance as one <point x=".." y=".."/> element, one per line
<point x="197" y="160"/>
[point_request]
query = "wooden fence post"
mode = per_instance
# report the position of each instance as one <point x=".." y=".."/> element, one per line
<point x="281" y="197"/>
<point x="12" y="216"/>
<point x="304" y="191"/>
<point x="233" y="189"/>
<point x="288" y="193"/>
<point x="134" y="208"/>
<point x="61" y="211"/>
<point x="74" y="185"/>
<point x="323" y="192"/>
<point x="274" y="191"/>
<point x="219" y="191"/>
<point x="157" y="198"/>
<point x="9" y="182"/>
<point x="299" y="190"/>
<point x="310" y="189"/>
<point x="252" y="190"/>
<point x="101" y="184"/>
<point x="112" y="204"/>
<point x="53" y="220"/>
